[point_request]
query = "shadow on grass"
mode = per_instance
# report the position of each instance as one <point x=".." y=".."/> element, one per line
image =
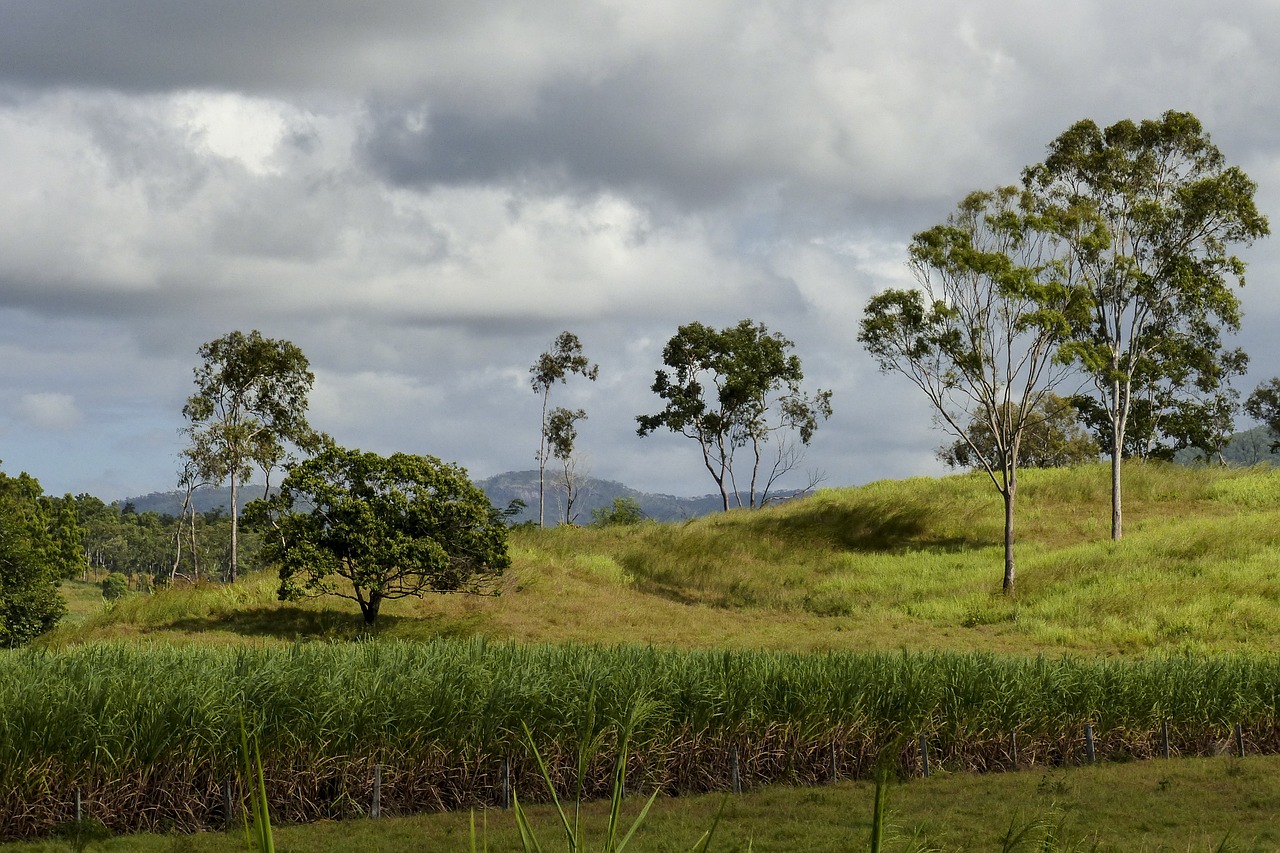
<point x="869" y="526"/>
<point x="288" y="622"/>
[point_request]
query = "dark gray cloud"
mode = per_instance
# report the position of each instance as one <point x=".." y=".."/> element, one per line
<point x="421" y="195"/>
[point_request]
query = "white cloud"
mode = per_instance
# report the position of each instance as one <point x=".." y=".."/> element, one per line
<point x="48" y="411"/>
<point x="422" y="194"/>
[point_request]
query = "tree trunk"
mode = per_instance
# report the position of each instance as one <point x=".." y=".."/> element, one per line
<point x="718" y="477"/>
<point x="235" y="527"/>
<point x="370" y="608"/>
<point x="1116" y="510"/>
<point x="1117" y="448"/>
<point x="1010" y="495"/>
<point x="542" y="460"/>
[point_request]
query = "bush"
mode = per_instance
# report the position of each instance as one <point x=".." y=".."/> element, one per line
<point x="621" y="512"/>
<point x="30" y="562"/>
<point x="115" y="585"/>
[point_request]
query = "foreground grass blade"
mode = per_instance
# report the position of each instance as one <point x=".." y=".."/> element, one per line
<point x="258" y="835"/>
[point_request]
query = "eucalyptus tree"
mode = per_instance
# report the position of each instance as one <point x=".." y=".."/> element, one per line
<point x="561" y="434"/>
<point x="981" y="335"/>
<point x="733" y="389"/>
<point x="1264" y="405"/>
<point x="249" y="408"/>
<point x="1149" y="214"/>
<point x="564" y="358"/>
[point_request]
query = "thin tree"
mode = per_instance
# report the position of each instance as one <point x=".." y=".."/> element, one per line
<point x="555" y="366"/>
<point x="980" y="336"/>
<point x="1148" y="213"/>
<point x="249" y="408"/>
<point x="562" y="434"/>
<point x="189" y="479"/>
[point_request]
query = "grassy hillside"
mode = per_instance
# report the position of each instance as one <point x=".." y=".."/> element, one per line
<point x="898" y="564"/>
<point x="911" y="564"/>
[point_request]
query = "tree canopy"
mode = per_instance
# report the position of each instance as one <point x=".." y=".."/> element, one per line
<point x="734" y="389"/>
<point x="249" y="406"/>
<point x="980" y="336"/>
<point x="1264" y="405"/>
<point x="39" y="545"/>
<point x="1148" y="213"/>
<point x="1053" y="437"/>
<point x="371" y="528"/>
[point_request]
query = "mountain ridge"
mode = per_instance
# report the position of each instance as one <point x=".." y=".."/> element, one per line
<point x="502" y="489"/>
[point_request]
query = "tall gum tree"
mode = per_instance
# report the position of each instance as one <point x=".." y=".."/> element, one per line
<point x="249" y="407"/>
<point x="980" y="336"/>
<point x="1148" y="214"/>
<point x="565" y="357"/>
<point x="561" y="433"/>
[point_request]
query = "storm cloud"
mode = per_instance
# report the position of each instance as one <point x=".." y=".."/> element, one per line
<point x="422" y="195"/>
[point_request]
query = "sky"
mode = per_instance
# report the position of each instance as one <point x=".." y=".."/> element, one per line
<point x="422" y="195"/>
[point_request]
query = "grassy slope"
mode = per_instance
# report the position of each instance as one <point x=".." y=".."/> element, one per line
<point x="910" y="564"/>
<point x="905" y="564"/>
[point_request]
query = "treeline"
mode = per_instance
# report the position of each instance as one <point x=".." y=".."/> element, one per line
<point x="154" y="549"/>
<point x="39" y="544"/>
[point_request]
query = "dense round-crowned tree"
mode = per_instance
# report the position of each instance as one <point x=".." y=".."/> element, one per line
<point x="368" y="528"/>
<point x="32" y="561"/>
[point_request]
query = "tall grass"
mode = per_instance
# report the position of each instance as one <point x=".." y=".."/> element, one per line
<point x="446" y="713"/>
<point x="114" y="704"/>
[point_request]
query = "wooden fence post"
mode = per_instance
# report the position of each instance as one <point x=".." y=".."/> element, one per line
<point x="1164" y="738"/>
<point x="735" y="778"/>
<point x="227" y="818"/>
<point x="924" y="756"/>
<point x="376" y="810"/>
<point x="1239" y="740"/>
<point x="835" y="765"/>
<point x="506" y="781"/>
<point x="1088" y="742"/>
<point x="1013" y="749"/>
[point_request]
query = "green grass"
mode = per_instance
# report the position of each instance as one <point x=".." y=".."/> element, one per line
<point x="148" y="731"/>
<point x="1190" y="598"/>
<point x="912" y="564"/>
<point x="1185" y="805"/>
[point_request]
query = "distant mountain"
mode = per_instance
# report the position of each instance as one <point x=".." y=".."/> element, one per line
<point x="206" y="499"/>
<point x="592" y="494"/>
<point x="501" y="489"/>
<point x="1245" y="449"/>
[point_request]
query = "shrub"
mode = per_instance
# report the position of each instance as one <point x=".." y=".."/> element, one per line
<point x="115" y="585"/>
<point x="623" y="511"/>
